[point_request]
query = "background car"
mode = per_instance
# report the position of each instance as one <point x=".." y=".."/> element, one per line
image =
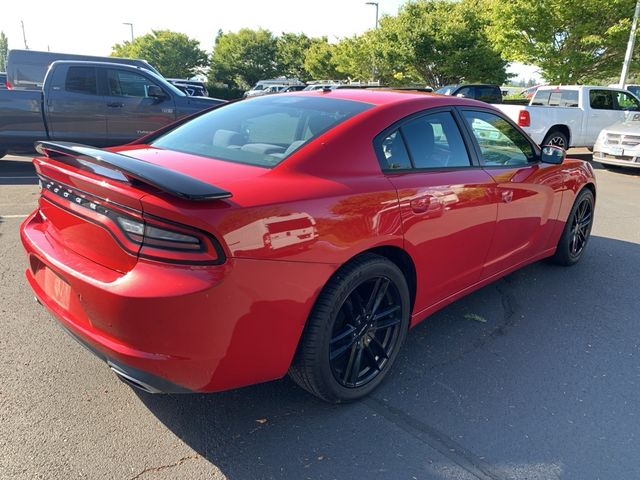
<point x="483" y="92"/>
<point x="619" y="144"/>
<point x="193" y="88"/>
<point x="302" y="233"/>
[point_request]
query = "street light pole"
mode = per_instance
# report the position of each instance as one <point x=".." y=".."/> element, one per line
<point x="24" y="36"/>
<point x="629" y="54"/>
<point x="376" y="5"/>
<point x="130" y="25"/>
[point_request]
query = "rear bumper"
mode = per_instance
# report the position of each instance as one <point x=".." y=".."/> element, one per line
<point x="134" y="377"/>
<point x="177" y="328"/>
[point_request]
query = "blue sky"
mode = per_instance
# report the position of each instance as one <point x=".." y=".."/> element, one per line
<point x="92" y="28"/>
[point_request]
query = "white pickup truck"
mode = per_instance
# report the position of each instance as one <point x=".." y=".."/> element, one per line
<point x="571" y="115"/>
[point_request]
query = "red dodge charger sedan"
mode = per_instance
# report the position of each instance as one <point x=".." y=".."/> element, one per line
<point x="301" y="233"/>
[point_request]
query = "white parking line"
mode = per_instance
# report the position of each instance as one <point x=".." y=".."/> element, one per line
<point x="15" y="216"/>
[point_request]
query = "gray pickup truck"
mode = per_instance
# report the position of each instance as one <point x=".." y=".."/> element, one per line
<point x="97" y="103"/>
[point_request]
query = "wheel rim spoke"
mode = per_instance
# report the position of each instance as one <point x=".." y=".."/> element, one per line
<point x="377" y="295"/>
<point x="338" y="352"/>
<point x="365" y="332"/>
<point x="389" y="323"/>
<point x="375" y="343"/>
<point x="347" y="370"/>
<point x="386" y="312"/>
<point x="372" y="358"/>
<point x="347" y="331"/>
<point x="355" y="367"/>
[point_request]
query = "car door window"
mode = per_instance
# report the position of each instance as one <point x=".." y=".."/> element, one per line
<point x="81" y="80"/>
<point x="466" y="92"/>
<point x="601" y="100"/>
<point x="434" y="141"/>
<point x="627" y="102"/>
<point x="121" y="83"/>
<point x="500" y="142"/>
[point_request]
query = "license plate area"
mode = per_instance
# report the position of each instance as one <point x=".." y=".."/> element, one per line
<point x="56" y="288"/>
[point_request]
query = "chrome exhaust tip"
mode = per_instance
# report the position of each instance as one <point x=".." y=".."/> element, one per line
<point x="130" y="380"/>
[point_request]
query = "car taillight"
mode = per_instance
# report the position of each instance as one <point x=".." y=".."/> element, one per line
<point x="137" y="233"/>
<point x="524" y="120"/>
<point x="164" y="241"/>
<point x="145" y="234"/>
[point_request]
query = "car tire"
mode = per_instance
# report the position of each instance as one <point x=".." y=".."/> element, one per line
<point x="577" y="230"/>
<point x="348" y="327"/>
<point x="557" y="138"/>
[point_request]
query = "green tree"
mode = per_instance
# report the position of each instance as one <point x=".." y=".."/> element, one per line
<point x="572" y="42"/>
<point x="241" y="59"/>
<point x="440" y="42"/>
<point x="173" y="54"/>
<point x="291" y="49"/>
<point x="4" y="51"/>
<point x="319" y="62"/>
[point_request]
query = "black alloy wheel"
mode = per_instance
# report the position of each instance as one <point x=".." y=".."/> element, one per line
<point x="581" y="227"/>
<point x="355" y="330"/>
<point x="577" y="230"/>
<point x="365" y="332"/>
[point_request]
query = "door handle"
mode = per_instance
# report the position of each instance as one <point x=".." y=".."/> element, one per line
<point x="115" y="104"/>
<point x="506" y="195"/>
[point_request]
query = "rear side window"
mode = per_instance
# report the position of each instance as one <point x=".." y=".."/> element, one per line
<point x="601" y="99"/>
<point x="81" y="80"/>
<point x="556" y="98"/>
<point x="394" y="152"/>
<point x="262" y="131"/>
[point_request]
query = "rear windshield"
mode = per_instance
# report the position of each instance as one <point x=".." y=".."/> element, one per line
<point x="261" y="131"/>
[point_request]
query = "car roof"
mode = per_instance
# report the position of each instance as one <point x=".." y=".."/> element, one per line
<point x="386" y="97"/>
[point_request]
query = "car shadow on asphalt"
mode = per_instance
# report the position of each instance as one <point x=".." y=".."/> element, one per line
<point x="500" y="384"/>
<point x="17" y="172"/>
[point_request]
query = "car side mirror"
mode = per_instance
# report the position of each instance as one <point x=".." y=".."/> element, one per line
<point x="155" y="92"/>
<point x="553" y="154"/>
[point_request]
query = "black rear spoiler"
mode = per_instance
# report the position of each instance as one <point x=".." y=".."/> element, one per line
<point x="169" y="181"/>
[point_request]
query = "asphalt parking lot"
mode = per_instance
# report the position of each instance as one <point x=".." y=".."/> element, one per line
<point x="534" y="377"/>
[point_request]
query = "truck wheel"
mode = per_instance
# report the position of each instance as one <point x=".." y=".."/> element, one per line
<point x="557" y="138"/>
